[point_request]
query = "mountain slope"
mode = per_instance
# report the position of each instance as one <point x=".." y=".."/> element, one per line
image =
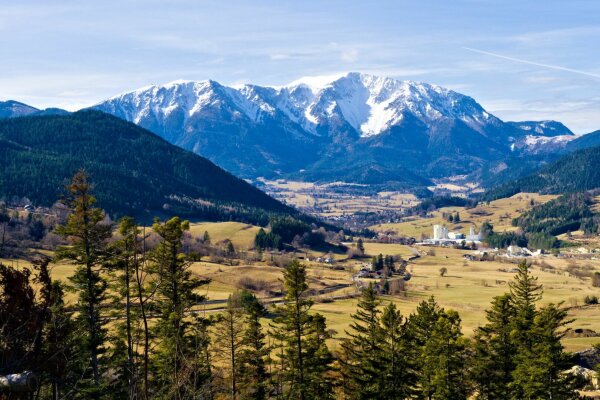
<point x="14" y="109"/>
<point x="583" y="142"/>
<point x="574" y="172"/>
<point x="543" y="128"/>
<point x="135" y="172"/>
<point x="355" y="127"/>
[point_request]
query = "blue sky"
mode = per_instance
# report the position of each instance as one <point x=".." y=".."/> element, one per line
<point x="519" y="59"/>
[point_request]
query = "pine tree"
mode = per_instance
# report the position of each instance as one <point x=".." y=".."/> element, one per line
<point x="181" y="363"/>
<point x="495" y="351"/>
<point x="293" y="332"/>
<point x="206" y="238"/>
<point x="420" y="327"/>
<point x="389" y="264"/>
<point x="19" y="322"/>
<point x="229" y="341"/>
<point x="398" y="375"/>
<point x="56" y="351"/>
<point x="444" y="359"/>
<point x="252" y="360"/>
<point x="88" y="236"/>
<point x="360" y="246"/>
<point x="539" y="372"/>
<point x="525" y="293"/>
<point x="319" y="360"/>
<point x="361" y="362"/>
<point x="230" y="250"/>
<point x="130" y="293"/>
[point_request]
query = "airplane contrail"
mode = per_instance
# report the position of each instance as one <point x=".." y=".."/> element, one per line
<point x="556" y="67"/>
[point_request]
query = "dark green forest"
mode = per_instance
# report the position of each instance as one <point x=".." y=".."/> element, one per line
<point x="135" y="172"/>
<point x="575" y="172"/>
<point x="568" y="213"/>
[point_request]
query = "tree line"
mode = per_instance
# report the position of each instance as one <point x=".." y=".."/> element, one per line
<point x="135" y="331"/>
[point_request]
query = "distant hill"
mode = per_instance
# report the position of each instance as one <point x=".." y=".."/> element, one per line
<point x="575" y="172"/>
<point x="14" y="109"/>
<point x="11" y="109"/>
<point x="542" y="128"/>
<point x="583" y="142"/>
<point x="134" y="171"/>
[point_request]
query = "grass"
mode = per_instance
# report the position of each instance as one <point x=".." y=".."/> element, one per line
<point x="468" y="287"/>
<point x="242" y="235"/>
<point x="499" y="212"/>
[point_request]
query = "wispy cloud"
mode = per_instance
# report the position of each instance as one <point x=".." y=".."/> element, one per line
<point x="519" y="60"/>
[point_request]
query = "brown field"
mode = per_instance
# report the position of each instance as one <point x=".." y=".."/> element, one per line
<point x="499" y="213"/>
<point x="468" y="287"/>
<point x="322" y="200"/>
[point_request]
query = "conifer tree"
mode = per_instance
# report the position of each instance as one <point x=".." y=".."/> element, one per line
<point x="319" y="360"/>
<point x="56" y="338"/>
<point x="399" y="378"/>
<point x="229" y="341"/>
<point x="360" y="246"/>
<point x="495" y="351"/>
<point x="539" y="373"/>
<point x="87" y="249"/>
<point x="525" y="293"/>
<point x="444" y="358"/>
<point x="420" y="328"/>
<point x="293" y="330"/>
<point x="181" y="363"/>
<point x="252" y="360"/>
<point x="130" y="298"/>
<point x="361" y="363"/>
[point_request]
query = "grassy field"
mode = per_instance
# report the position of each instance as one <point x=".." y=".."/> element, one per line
<point x="468" y="287"/>
<point x="242" y="235"/>
<point x="499" y="212"/>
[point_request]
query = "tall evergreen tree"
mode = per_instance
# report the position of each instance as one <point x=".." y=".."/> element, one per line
<point x="495" y="351"/>
<point x="56" y="337"/>
<point x="525" y="293"/>
<point x="252" y="360"/>
<point x="293" y="329"/>
<point x="420" y="328"/>
<point x="539" y="371"/>
<point x="87" y="249"/>
<point x="181" y="363"/>
<point x="229" y="341"/>
<point x="361" y="352"/>
<point x="129" y="372"/>
<point x="398" y="374"/>
<point x="360" y="246"/>
<point x="444" y="358"/>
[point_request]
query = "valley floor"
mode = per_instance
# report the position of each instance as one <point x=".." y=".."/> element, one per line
<point x="468" y="287"/>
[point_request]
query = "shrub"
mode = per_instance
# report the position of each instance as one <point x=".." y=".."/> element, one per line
<point x="596" y="279"/>
<point x="591" y="299"/>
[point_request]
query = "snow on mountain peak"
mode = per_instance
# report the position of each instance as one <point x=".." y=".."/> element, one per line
<point x="372" y="104"/>
<point x="369" y="103"/>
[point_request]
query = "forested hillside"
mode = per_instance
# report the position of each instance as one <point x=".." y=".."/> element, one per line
<point x="136" y="172"/>
<point x="575" y="172"/>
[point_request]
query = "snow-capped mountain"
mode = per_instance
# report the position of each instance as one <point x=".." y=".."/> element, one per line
<point x="355" y="126"/>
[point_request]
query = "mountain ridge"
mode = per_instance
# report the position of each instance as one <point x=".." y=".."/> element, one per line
<point x="318" y="130"/>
